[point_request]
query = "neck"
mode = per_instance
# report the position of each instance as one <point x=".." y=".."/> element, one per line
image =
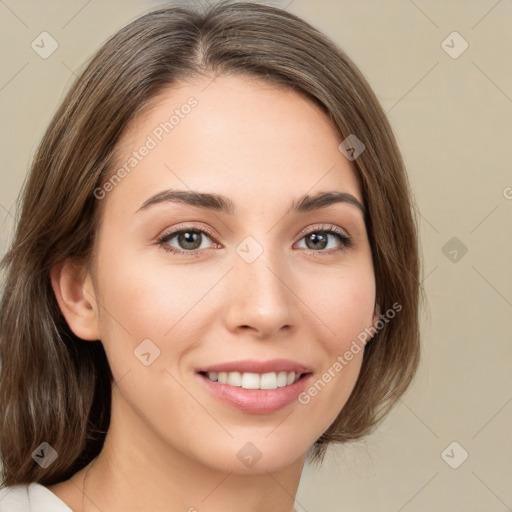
<point x="133" y="472"/>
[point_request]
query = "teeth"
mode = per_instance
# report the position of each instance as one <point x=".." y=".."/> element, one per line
<point x="282" y="378"/>
<point x="249" y="380"/>
<point x="235" y="379"/>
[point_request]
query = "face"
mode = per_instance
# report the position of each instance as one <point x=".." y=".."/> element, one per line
<point x="202" y="300"/>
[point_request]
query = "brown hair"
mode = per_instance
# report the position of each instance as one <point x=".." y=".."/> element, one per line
<point x="54" y="387"/>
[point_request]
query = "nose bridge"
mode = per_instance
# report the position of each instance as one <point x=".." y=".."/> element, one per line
<point x="260" y="294"/>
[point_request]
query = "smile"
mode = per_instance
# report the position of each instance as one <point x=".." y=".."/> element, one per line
<point x="256" y="400"/>
<point x="249" y="380"/>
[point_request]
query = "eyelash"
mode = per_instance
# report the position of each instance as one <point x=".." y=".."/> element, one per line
<point x="345" y="240"/>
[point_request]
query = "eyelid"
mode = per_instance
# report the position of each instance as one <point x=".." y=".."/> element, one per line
<point x="323" y="227"/>
<point x="188" y="227"/>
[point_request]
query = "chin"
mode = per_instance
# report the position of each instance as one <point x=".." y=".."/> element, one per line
<point x="255" y="454"/>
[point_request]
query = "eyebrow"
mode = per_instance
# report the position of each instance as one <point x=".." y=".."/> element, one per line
<point x="224" y="204"/>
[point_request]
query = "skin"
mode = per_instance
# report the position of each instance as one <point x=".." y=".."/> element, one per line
<point x="171" y="444"/>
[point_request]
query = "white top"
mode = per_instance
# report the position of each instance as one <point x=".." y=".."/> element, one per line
<point x="32" y="497"/>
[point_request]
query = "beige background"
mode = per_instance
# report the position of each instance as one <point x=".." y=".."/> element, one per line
<point x="453" y="121"/>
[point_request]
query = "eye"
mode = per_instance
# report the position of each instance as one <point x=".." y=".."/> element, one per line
<point x="189" y="240"/>
<point x="318" y="239"/>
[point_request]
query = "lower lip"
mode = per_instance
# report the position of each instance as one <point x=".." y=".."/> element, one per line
<point x="256" y="401"/>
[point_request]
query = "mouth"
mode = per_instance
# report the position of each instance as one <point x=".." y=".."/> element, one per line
<point x="257" y="387"/>
<point x="249" y="380"/>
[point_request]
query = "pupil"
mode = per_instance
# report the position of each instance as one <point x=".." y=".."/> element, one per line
<point x="318" y="241"/>
<point x="189" y="239"/>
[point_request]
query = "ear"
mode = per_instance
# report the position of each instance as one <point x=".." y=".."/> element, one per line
<point x="75" y="294"/>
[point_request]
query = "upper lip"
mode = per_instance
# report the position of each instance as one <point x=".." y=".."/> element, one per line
<point x="255" y="366"/>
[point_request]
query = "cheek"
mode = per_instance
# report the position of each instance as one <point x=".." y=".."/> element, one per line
<point x="344" y="302"/>
<point x="143" y="298"/>
<point x="328" y="392"/>
<point x="145" y="311"/>
<point x="147" y="296"/>
<point x="346" y="307"/>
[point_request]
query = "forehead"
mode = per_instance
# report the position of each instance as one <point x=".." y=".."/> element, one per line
<point x="238" y="136"/>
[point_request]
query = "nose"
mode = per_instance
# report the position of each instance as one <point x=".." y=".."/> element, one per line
<point x="260" y="298"/>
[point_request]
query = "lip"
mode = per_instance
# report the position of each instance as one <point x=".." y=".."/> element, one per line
<point x="254" y="366"/>
<point x="256" y="401"/>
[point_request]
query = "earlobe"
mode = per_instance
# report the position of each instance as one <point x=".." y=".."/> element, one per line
<point x="75" y="295"/>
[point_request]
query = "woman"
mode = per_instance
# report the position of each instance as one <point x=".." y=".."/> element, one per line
<point x="214" y="275"/>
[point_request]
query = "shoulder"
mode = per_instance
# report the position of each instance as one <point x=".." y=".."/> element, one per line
<point x="31" y="497"/>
